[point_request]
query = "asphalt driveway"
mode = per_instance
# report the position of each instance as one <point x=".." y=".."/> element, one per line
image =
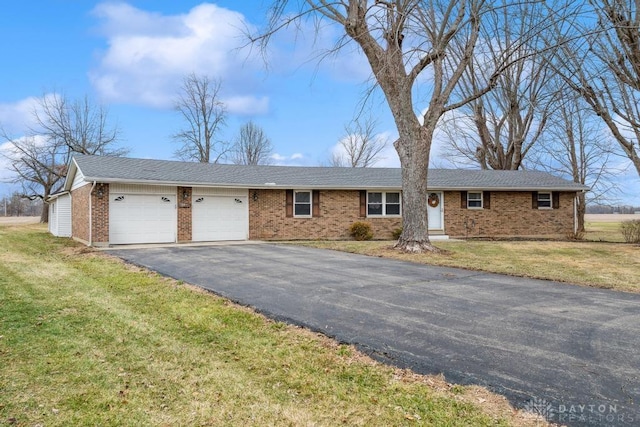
<point x="571" y="353"/>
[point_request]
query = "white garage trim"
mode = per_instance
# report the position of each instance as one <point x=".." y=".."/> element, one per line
<point x="142" y="189"/>
<point x="142" y="214"/>
<point x="220" y="214"/>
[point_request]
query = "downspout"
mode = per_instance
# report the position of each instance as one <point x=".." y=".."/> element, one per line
<point x="575" y="214"/>
<point x="91" y="214"/>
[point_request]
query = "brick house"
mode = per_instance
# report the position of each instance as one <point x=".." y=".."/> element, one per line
<point x="117" y="200"/>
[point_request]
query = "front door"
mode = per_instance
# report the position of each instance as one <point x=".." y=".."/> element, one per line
<point x="434" y="210"/>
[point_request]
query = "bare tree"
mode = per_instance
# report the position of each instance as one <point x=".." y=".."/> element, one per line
<point x="497" y="130"/>
<point x="252" y="146"/>
<point x="62" y="127"/>
<point x="406" y="42"/>
<point x="39" y="165"/>
<point x="575" y="147"/>
<point x="361" y="146"/>
<point x="602" y="64"/>
<point x="81" y="125"/>
<point x="204" y="114"/>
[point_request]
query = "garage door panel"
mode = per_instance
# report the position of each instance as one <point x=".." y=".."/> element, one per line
<point x="220" y="218"/>
<point x="142" y="218"/>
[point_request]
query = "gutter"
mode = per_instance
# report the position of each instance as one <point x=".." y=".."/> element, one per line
<point x="270" y="185"/>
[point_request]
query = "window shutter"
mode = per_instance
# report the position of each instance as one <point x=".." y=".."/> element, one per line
<point x="316" y="203"/>
<point x="363" y="203"/>
<point x="289" y="204"/>
<point x="486" y="199"/>
<point x="463" y="200"/>
<point x="555" y="196"/>
<point x="534" y="200"/>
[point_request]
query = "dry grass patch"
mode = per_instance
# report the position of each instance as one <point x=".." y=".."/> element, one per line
<point x="602" y="265"/>
<point x="88" y="341"/>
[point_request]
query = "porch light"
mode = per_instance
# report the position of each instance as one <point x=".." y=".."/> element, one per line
<point x="185" y="194"/>
<point x="255" y="196"/>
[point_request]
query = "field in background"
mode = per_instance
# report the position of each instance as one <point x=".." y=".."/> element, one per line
<point x="605" y="227"/>
<point x="18" y="220"/>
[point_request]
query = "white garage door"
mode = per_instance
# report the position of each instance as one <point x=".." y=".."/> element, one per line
<point x="220" y="217"/>
<point x="142" y="218"/>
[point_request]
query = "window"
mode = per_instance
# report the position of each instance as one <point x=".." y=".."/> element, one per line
<point x="544" y="201"/>
<point x="383" y="204"/>
<point x="474" y="200"/>
<point x="302" y="203"/>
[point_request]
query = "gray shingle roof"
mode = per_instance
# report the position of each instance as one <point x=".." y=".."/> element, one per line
<point x="148" y="171"/>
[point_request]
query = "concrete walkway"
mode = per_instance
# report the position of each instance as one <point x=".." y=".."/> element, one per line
<point x="570" y="353"/>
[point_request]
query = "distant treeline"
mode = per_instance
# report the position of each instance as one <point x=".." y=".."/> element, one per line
<point x="17" y="205"/>
<point x="620" y="209"/>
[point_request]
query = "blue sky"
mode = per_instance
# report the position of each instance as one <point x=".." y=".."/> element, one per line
<point x="131" y="56"/>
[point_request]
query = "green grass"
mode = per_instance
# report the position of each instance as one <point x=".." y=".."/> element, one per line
<point x="596" y="261"/>
<point x="87" y="340"/>
<point x="600" y="231"/>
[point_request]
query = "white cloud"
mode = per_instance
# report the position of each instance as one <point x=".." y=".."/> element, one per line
<point x="148" y="54"/>
<point x="249" y="105"/>
<point x="296" y="159"/>
<point x="17" y="117"/>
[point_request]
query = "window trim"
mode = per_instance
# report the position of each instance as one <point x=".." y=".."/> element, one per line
<point x="549" y="201"/>
<point x="384" y="204"/>
<point x="481" y="193"/>
<point x="310" y="203"/>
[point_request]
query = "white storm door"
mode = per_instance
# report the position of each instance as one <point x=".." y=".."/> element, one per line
<point x="142" y="218"/>
<point x="434" y="211"/>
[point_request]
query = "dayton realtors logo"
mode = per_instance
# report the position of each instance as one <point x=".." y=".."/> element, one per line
<point x="600" y="414"/>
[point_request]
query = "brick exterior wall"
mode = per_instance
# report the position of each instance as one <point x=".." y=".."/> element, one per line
<point x="338" y="210"/>
<point x="185" y="217"/>
<point x="80" y="213"/>
<point x="510" y="215"/>
<point x="100" y="214"/>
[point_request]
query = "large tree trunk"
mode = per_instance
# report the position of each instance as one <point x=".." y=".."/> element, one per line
<point x="44" y="216"/>
<point x="581" y="209"/>
<point x="413" y="149"/>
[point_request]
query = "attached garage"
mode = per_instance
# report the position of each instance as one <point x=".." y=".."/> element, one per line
<point x="220" y="214"/>
<point x="142" y="214"/>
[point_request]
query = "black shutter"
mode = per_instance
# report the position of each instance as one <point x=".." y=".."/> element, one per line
<point x="555" y="197"/>
<point x="534" y="200"/>
<point x="316" y="203"/>
<point x="363" y="203"/>
<point x="289" y="204"/>
<point x="463" y="200"/>
<point x="486" y="199"/>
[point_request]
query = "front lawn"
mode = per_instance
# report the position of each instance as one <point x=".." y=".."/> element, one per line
<point x="88" y="340"/>
<point x="598" y="261"/>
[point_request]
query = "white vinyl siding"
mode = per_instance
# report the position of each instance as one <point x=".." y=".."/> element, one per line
<point x="60" y="216"/>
